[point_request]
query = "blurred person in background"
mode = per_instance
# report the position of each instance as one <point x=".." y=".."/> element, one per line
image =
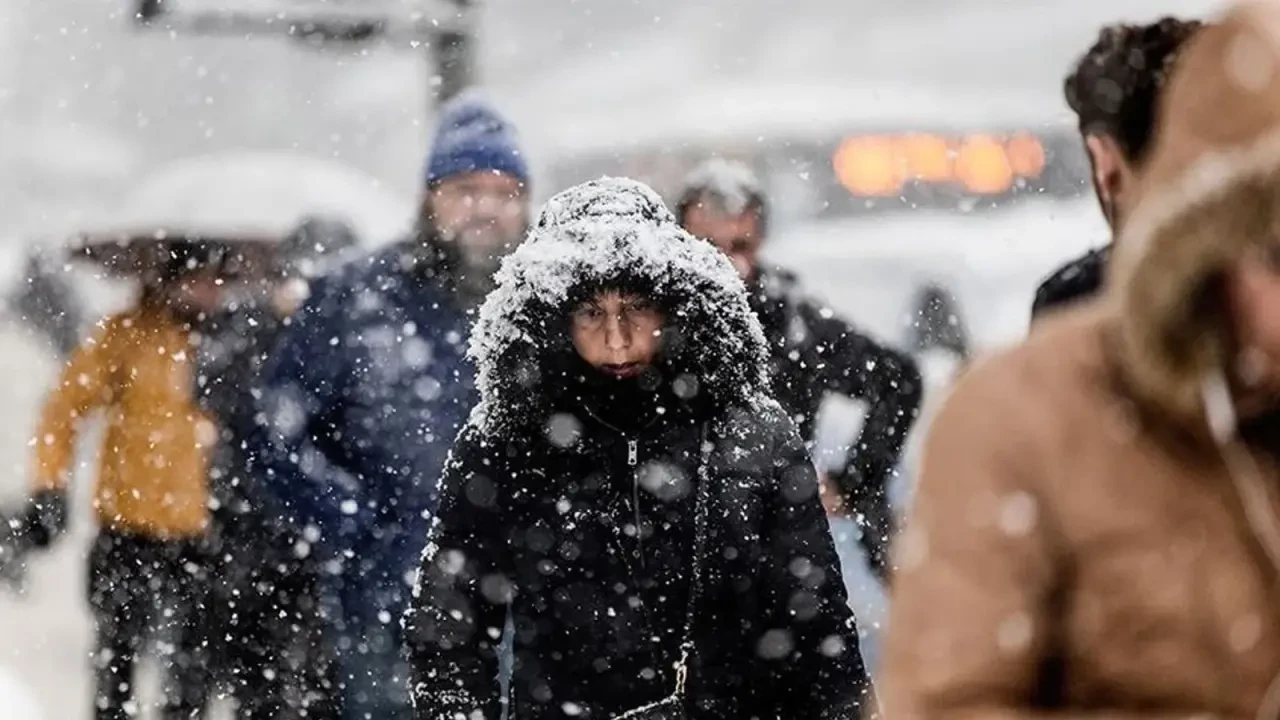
<point x="629" y="495"/>
<point x="264" y="635"/>
<point x="47" y="302"/>
<point x="39" y="325"/>
<point x="1095" y="534"/>
<point x="148" y="564"/>
<point x="1114" y="91"/>
<point x="813" y="352"/>
<point x="369" y="385"/>
<point x="939" y="341"/>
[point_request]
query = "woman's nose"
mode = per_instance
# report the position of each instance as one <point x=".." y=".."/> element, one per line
<point x="616" y="334"/>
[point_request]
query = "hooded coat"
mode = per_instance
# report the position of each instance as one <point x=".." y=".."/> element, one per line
<point x="1095" y="533"/>
<point x="574" y="514"/>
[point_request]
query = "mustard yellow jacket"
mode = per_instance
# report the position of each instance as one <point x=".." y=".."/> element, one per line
<point x="152" y="477"/>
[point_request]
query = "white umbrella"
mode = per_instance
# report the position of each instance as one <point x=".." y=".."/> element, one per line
<point x="242" y="197"/>
<point x="255" y="195"/>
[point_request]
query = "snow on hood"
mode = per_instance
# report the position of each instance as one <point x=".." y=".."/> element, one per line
<point x="612" y="232"/>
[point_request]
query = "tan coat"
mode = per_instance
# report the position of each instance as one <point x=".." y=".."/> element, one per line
<point x="1055" y="526"/>
<point x="1079" y="546"/>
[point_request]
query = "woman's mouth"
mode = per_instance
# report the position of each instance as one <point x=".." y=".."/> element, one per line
<point x="625" y="370"/>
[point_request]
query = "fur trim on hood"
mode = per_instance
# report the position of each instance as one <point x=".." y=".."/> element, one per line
<point x="612" y="232"/>
<point x="1210" y="193"/>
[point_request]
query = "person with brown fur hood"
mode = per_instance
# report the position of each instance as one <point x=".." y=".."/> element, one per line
<point x="1096" y="531"/>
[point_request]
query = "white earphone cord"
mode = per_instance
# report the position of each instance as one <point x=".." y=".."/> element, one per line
<point x="1246" y="476"/>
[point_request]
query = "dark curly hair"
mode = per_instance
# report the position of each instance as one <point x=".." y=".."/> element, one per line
<point x="1114" y="88"/>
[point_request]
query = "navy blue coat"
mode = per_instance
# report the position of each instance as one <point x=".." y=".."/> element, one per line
<point x="361" y="400"/>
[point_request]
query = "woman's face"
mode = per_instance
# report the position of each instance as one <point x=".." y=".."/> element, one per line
<point x="617" y="333"/>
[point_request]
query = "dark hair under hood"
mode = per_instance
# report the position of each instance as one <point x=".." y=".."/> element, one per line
<point x="611" y="233"/>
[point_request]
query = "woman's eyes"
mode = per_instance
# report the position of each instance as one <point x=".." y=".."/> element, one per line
<point x="594" y="314"/>
<point x="588" y="314"/>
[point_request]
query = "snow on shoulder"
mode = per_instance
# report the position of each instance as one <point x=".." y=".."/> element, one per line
<point x="613" y="231"/>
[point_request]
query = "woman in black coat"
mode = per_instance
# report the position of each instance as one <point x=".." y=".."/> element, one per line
<point x="627" y="493"/>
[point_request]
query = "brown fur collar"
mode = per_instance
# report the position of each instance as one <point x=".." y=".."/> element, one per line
<point x="1168" y="269"/>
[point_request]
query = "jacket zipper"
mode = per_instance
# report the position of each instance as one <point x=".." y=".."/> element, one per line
<point x="633" y="461"/>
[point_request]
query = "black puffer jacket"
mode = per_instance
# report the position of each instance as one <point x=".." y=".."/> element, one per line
<point x="814" y="352"/>
<point x="1077" y="280"/>
<point x="576" y="513"/>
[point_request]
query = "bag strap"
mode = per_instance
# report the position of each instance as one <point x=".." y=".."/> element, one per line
<point x="699" y="546"/>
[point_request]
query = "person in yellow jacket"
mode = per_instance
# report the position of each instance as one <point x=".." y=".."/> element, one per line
<point x="151" y="496"/>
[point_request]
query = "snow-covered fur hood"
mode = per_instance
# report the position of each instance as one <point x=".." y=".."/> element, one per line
<point x="1209" y="194"/>
<point x="612" y="232"/>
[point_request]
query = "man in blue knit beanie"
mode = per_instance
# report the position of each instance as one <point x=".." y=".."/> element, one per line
<point x="476" y="201"/>
<point x="367" y="388"/>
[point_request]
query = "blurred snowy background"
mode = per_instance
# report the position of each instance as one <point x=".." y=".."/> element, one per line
<point x="90" y="105"/>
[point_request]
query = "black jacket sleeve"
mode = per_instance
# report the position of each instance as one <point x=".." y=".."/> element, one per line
<point x="1077" y="280"/>
<point x="818" y="671"/>
<point x="889" y="382"/>
<point x="455" y="620"/>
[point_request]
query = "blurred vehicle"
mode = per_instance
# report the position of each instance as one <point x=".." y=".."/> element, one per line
<point x="878" y="192"/>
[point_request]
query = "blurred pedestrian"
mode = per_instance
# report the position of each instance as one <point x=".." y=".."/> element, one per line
<point x="630" y="495"/>
<point x="812" y="351"/>
<point x="46" y="302"/>
<point x="1096" y="530"/>
<point x="369" y="385"/>
<point x="264" y="636"/>
<point x="147" y="566"/>
<point x="1114" y="90"/>
<point x="939" y="341"/>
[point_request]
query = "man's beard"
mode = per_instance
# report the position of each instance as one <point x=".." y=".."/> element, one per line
<point x="479" y="251"/>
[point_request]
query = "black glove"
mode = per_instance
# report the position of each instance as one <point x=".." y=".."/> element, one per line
<point x="43" y="519"/>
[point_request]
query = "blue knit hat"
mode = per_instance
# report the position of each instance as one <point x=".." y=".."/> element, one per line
<point x="473" y="136"/>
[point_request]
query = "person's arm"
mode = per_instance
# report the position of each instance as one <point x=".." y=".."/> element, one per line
<point x="85" y="386"/>
<point x="889" y="382"/>
<point x="810" y="645"/>
<point x="973" y="620"/>
<point x="303" y="388"/>
<point x="456" y="617"/>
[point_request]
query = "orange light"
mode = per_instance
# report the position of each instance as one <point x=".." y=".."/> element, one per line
<point x="1026" y="155"/>
<point x="983" y="167"/>
<point x="927" y="157"/>
<point x="869" y="166"/>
